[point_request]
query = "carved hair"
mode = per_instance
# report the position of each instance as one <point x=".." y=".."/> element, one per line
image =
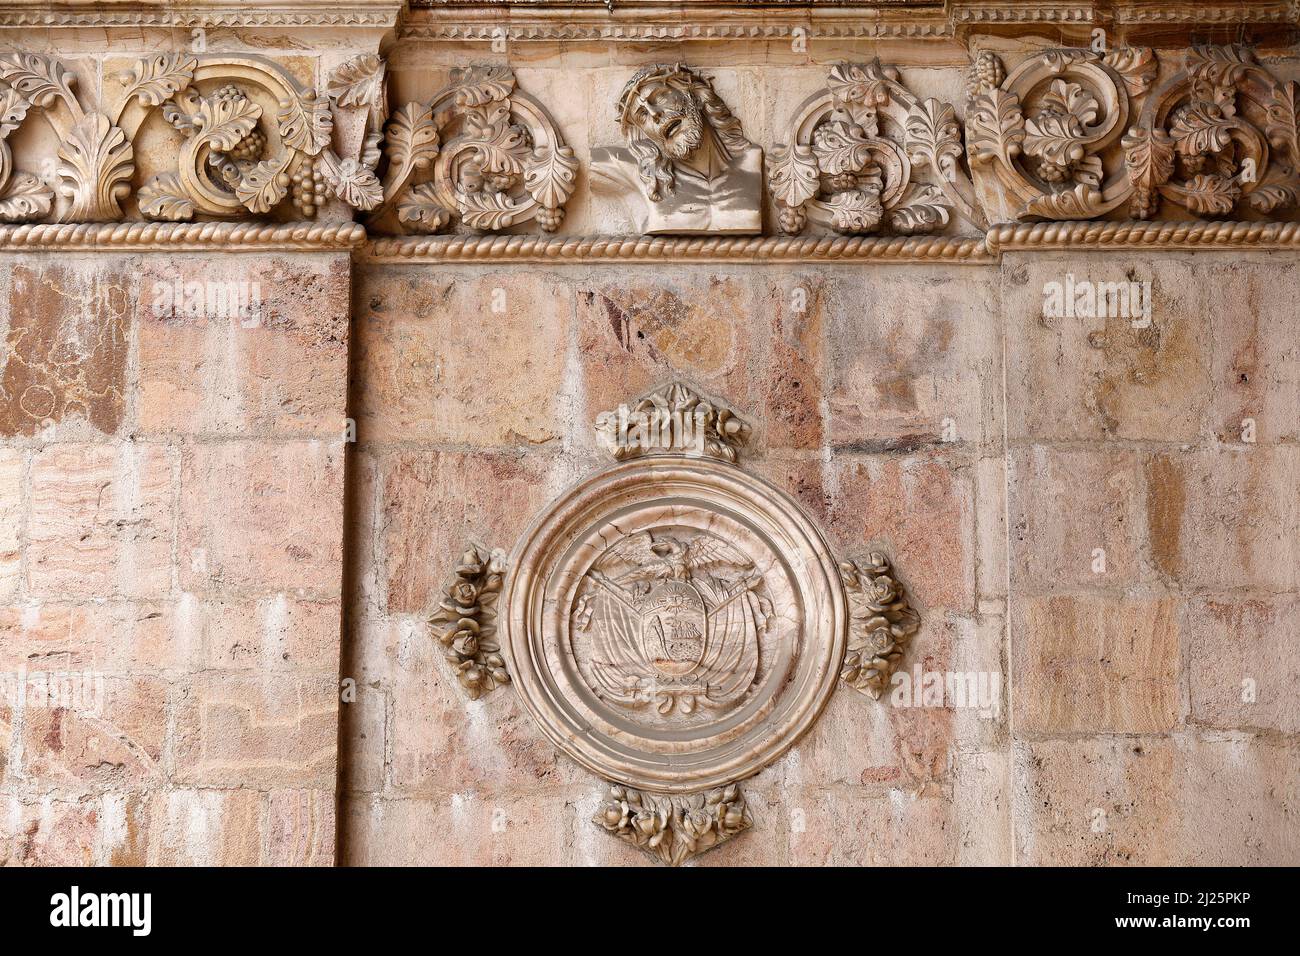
<point x="656" y="169"/>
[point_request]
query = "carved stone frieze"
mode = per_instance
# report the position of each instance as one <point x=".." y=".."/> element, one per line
<point x="672" y="828"/>
<point x="465" y="621"/>
<point x="95" y="158"/>
<point x="1056" y="136"/>
<point x="1199" y="138"/>
<point x="857" y="153"/>
<point x="687" y="168"/>
<point x="481" y="152"/>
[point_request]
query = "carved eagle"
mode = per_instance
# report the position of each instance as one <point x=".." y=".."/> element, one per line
<point x="641" y="557"/>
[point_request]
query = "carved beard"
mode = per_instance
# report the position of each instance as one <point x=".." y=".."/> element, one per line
<point x="688" y="135"/>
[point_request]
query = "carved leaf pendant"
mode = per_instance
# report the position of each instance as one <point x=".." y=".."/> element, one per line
<point x="793" y="174"/>
<point x="549" y="175"/>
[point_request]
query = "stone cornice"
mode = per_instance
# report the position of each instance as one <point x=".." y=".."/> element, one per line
<point x="647" y="19"/>
<point x="727" y="19"/>
<point x="202" y="13"/>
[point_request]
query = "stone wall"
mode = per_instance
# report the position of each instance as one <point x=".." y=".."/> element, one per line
<point x="173" y="524"/>
<point x="1121" y="735"/>
<point x="225" y="522"/>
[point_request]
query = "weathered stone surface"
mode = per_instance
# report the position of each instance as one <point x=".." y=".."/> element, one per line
<point x="261" y="731"/>
<point x="1182" y="800"/>
<point x="1104" y="376"/>
<point x="844" y="826"/>
<point x="1107" y="664"/>
<point x="101" y="521"/>
<point x="426" y="351"/>
<point x="462" y="829"/>
<point x="1244" y="662"/>
<point x="11" y="520"/>
<point x="432" y="502"/>
<point x="244" y="346"/>
<point x="205" y="827"/>
<point x="65" y="352"/>
<point x="115" y="742"/>
<point x="300" y="828"/>
<point x="1226" y="516"/>
<point x="111" y="829"/>
<point x="261" y="518"/>
<point x="921" y="506"/>
<point x="915" y="361"/>
<point x="1076" y="519"/>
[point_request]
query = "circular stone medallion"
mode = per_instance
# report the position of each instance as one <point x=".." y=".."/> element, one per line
<point x="674" y="624"/>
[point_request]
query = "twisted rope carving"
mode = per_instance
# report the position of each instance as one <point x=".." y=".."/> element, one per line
<point x="760" y="249"/>
<point x="62" y="236"/>
<point x="1155" y="234"/>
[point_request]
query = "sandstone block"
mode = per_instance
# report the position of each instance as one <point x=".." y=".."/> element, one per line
<point x="101" y="521"/>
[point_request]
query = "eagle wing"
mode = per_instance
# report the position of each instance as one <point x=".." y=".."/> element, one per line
<point x="633" y="559"/>
<point x="709" y="554"/>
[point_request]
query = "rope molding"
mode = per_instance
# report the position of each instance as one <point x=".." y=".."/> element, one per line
<point x="1171" y="236"/>
<point x="756" y="250"/>
<point x="172" y="237"/>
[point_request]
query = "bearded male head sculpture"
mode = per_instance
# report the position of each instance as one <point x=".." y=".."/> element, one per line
<point x="688" y="168"/>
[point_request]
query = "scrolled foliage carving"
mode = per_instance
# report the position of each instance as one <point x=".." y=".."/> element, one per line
<point x="481" y="152"/>
<point x="867" y="155"/>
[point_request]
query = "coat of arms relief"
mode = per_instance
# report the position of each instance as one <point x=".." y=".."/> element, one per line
<point x="673" y="623"/>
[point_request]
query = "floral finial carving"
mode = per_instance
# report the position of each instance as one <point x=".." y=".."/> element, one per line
<point x="673" y="829"/>
<point x="465" y="621"/>
<point x="674" y="420"/>
<point x="881" y="623"/>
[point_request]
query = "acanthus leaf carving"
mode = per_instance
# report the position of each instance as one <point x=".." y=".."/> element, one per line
<point x="479" y="86"/>
<point x="263" y="186"/>
<point x="155" y="79"/>
<point x="412" y="144"/>
<point x="995" y="128"/>
<point x="1273" y="196"/>
<point x="1149" y="160"/>
<point x="40" y="79"/>
<point x="933" y="137"/>
<point x="25" y="198"/>
<point x="483" y="209"/>
<point x="1136" y="66"/>
<point x="793" y="174"/>
<point x="1079" y="202"/>
<point x="358" y="83"/>
<point x="222" y="122"/>
<point x="421" y="209"/>
<point x="1201" y="128"/>
<point x="305" y="123"/>
<point x="13" y="110"/>
<point x="550" y="174"/>
<point x="675" y="419"/>
<point x="1283" y="125"/>
<point x="96" y="166"/>
<point x="1209" y="195"/>
<point x="163" y="199"/>
<point x="922" y="211"/>
<point x="351" y="181"/>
